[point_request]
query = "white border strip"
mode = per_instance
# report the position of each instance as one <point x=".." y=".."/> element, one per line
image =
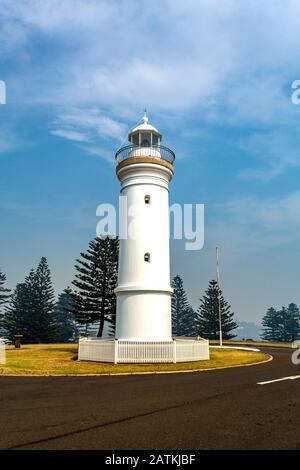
<point x="243" y="348"/>
<point x="292" y="377"/>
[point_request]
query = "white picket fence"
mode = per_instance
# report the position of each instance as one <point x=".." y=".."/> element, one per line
<point x="122" y="351"/>
<point x="2" y="351"/>
<point x="144" y="351"/>
<point x="95" y="349"/>
<point x="191" y="350"/>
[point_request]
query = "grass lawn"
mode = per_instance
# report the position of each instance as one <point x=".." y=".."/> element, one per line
<point x="61" y="359"/>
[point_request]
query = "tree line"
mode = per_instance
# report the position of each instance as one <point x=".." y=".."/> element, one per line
<point x="281" y="325"/>
<point x="32" y="310"/>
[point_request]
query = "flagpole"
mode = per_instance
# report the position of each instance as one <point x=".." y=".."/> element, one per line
<point x="219" y="297"/>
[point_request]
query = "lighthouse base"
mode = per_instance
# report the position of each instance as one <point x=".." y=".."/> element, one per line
<point x="179" y="349"/>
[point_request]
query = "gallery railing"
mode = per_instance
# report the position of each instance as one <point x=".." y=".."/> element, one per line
<point x="157" y="151"/>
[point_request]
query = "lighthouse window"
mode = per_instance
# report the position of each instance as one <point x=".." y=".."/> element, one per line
<point x="154" y="139"/>
<point x="147" y="199"/>
<point x="145" y="140"/>
<point x="135" y="139"/>
<point x="147" y="257"/>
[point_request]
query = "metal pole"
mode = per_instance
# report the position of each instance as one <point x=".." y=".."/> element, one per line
<point x="219" y="297"/>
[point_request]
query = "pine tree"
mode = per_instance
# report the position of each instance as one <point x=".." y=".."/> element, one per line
<point x="14" y="318"/>
<point x="45" y="303"/>
<point x="4" y="292"/>
<point x="83" y="321"/>
<point x="4" y="298"/>
<point x="95" y="281"/>
<point x="66" y="328"/>
<point x="20" y="314"/>
<point x="281" y="325"/>
<point x="31" y="310"/>
<point x="188" y="322"/>
<point x="271" y="324"/>
<point x="183" y="316"/>
<point x="289" y="323"/>
<point x="85" y="329"/>
<point x="179" y="305"/>
<point x="208" y="314"/>
<point x="294" y="321"/>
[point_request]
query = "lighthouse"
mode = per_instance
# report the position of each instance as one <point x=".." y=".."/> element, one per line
<point x="145" y="169"/>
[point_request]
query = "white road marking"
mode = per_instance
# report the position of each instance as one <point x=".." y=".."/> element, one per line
<point x="292" y="377"/>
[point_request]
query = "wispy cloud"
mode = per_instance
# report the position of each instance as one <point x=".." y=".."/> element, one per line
<point x="270" y="153"/>
<point x="262" y="223"/>
<point x="230" y="62"/>
<point x="99" y="152"/>
<point x="91" y="121"/>
<point x="175" y="57"/>
<point x="9" y="140"/>
<point x="56" y="16"/>
<point x="89" y="126"/>
<point x="70" y="135"/>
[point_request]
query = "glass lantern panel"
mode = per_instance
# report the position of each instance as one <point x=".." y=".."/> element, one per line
<point x="145" y="139"/>
<point x="154" y="139"/>
<point x="135" y="139"/>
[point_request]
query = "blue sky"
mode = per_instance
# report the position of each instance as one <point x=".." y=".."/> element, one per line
<point x="215" y="77"/>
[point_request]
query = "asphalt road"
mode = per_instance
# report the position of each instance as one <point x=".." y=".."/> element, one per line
<point x="224" y="409"/>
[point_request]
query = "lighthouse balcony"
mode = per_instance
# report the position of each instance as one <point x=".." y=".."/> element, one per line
<point x="139" y="154"/>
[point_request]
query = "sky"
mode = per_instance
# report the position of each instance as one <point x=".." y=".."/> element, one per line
<point x="216" y="78"/>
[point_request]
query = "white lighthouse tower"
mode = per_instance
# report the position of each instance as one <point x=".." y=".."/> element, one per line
<point x="145" y="169"/>
<point x="143" y="318"/>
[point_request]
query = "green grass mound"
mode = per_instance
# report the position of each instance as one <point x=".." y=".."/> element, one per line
<point x="61" y="359"/>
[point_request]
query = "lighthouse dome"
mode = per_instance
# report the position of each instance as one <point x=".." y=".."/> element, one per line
<point x="145" y="126"/>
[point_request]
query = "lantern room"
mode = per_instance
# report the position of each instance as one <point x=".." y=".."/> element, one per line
<point x="144" y="142"/>
<point x="145" y="135"/>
